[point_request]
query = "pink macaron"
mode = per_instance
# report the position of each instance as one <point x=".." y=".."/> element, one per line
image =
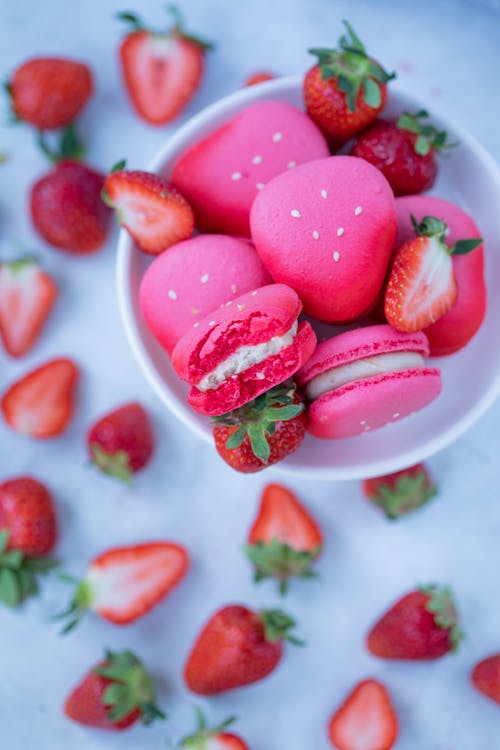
<point x="327" y="229"/>
<point x="193" y="278"/>
<point x="221" y="175"/>
<point x="456" y="328"/>
<point x="243" y="349"/>
<point x="366" y="378"/>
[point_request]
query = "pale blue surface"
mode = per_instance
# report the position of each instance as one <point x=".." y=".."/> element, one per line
<point x="443" y="50"/>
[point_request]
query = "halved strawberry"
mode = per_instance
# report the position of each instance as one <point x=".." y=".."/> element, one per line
<point x="366" y="720"/>
<point x="41" y="403"/>
<point x="149" y="207"/>
<point x="421" y="286"/>
<point x="27" y="295"/>
<point x="124" y="583"/>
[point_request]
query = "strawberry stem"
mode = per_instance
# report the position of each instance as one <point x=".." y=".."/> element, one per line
<point x="442" y="606"/>
<point x="18" y="573"/>
<point x="277" y="625"/>
<point x="203" y="732"/>
<point x="428" y="136"/>
<point x="275" y="559"/>
<point x="430" y="226"/>
<point x="113" y="464"/>
<point x="79" y="604"/>
<point x="70" y="146"/>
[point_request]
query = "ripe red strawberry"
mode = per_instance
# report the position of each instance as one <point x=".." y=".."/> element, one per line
<point x="262" y="432"/>
<point x="404" y="150"/>
<point x="260" y="77"/>
<point x="402" y="492"/>
<point x="213" y="738"/>
<point x="121" y="443"/>
<point x="27" y="295"/>
<point x="423" y="625"/>
<point x="152" y="210"/>
<point x="41" y="403"/>
<point x="50" y="92"/>
<point x="65" y="204"/>
<point x="421" y="286"/>
<point x="123" y="584"/>
<point x="366" y="720"/>
<point x="115" y="694"/>
<point x="161" y="69"/>
<point x="284" y="540"/>
<point x="345" y="90"/>
<point x="236" y="647"/>
<point x="486" y="677"/>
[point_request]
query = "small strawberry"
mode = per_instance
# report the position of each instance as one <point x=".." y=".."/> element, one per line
<point x="152" y="210"/>
<point x="345" y="90"/>
<point x="486" y="677"/>
<point x="262" y="432"/>
<point x="123" y="584"/>
<point x="66" y="206"/>
<point x="366" y="720"/>
<point x="259" y="77"/>
<point x="121" y="443"/>
<point x="41" y="403"/>
<point x="50" y="92"/>
<point x="423" y="625"/>
<point x="213" y="738"/>
<point x="402" y="492"/>
<point x="421" y="286"/>
<point x="404" y="150"/>
<point x="284" y="540"/>
<point x="27" y="295"/>
<point x="161" y="69"/>
<point x="117" y="693"/>
<point x="237" y="647"/>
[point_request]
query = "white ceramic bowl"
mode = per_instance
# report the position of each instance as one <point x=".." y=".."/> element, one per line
<point x="471" y="378"/>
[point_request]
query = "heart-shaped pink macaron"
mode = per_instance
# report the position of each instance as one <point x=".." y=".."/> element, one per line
<point x="327" y="229"/>
<point x="221" y="175"/>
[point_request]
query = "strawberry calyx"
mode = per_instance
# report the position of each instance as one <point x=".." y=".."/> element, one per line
<point x="258" y="419"/>
<point x="18" y="265"/>
<point x="114" y="464"/>
<point x="18" y="573"/>
<point x="353" y="70"/>
<point x="177" y="30"/>
<point x="275" y="559"/>
<point x="203" y="734"/>
<point x="277" y="625"/>
<point x="70" y="146"/>
<point x="131" y="688"/>
<point x="434" y="228"/>
<point x="410" y="491"/>
<point x="442" y="606"/>
<point x="428" y="137"/>
<point x="79" y="604"/>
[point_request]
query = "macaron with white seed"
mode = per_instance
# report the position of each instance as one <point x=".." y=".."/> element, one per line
<point x="194" y="278"/>
<point x="367" y="378"/>
<point x="241" y="351"/>
<point x="222" y="174"/>
<point x="326" y="229"/>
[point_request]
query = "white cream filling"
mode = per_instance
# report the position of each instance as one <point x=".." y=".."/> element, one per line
<point x="362" y="368"/>
<point x="246" y="357"/>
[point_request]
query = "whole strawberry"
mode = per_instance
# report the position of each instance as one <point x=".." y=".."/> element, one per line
<point x="345" y="90"/>
<point x="28" y="532"/>
<point x="486" y="677"/>
<point x="237" y="647"/>
<point x="161" y="69"/>
<point x="404" y="150"/>
<point x="284" y="539"/>
<point x="423" y="625"/>
<point x="115" y="694"/>
<point x="262" y="432"/>
<point x="50" y="92"/>
<point x="402" y="492"/>
<point x="213" y="738"/>
<point x="121" y="443"/>
<point x="66" y="206"/>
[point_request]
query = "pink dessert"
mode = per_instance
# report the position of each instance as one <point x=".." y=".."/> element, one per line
<point x="195" y="277"/>
<point x="221" y="175"/>
<point x="243" y="349"/>
<point x="327" y="229"/>
<point x="365" y="379"/>
<point x="456" y="328"/>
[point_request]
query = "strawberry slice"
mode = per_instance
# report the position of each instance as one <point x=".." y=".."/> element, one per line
<point x="124" y="583"/>
<point x="41" y="403"/>
<point x="27" y="295"/>
<point x="366" y="720"/>
<point x="154" y="213"/>
<point x="421" y="287"/>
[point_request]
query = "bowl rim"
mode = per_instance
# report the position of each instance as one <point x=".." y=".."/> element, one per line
<point x="125" y="248"/>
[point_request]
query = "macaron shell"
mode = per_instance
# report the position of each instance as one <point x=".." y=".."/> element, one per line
<point x="195" y="277"/>
<point x="371" y="403"/>
<point x="222" y="174"/>
<point x="456" y="328"/>
<point x="327" y="229"/>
